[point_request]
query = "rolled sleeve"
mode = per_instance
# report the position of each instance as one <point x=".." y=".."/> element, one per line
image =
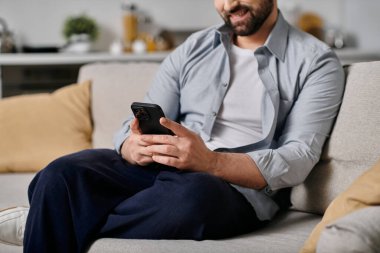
<point x="122" y="134"/>
<point x="307" y="126"/>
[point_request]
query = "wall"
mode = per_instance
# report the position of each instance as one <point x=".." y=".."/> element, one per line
<point x="39" y="22"/>
<point x="356" y="19"/>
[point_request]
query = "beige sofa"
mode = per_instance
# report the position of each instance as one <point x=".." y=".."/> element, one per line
<point x="353" y="147"/>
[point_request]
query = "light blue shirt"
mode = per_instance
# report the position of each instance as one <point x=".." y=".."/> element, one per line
<point x="304" y="83"/>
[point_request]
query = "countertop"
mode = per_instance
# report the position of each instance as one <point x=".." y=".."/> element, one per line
<point x="66" y="58"/>
<point x="351" y="55"/>
<point x="346" y="56"/>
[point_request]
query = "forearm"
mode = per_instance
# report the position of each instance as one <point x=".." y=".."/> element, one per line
<point x="237" y="169"/>
<point x="187" y="151"/>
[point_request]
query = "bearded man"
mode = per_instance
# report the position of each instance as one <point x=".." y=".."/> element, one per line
<point x="250" y="103"/>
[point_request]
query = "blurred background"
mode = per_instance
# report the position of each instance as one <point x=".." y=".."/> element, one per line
<point x="40" y="22"/>
<point x="43" y="43"/>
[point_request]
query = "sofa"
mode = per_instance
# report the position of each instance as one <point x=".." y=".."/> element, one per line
<point x="352" y="148"/>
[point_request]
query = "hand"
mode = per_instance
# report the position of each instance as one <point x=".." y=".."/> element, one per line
<point x="185" y="151"/>
<point x="134" y="149"/>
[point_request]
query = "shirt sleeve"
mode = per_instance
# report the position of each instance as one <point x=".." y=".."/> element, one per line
<point x="307" y="126"/>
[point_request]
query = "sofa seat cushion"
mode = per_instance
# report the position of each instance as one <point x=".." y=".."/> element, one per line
<point x="286" y="234"/>
<point x="36" y="129"/>
<point x="14" y="189"/>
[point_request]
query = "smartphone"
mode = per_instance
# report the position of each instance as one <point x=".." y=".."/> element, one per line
<point x="149" y="116"/>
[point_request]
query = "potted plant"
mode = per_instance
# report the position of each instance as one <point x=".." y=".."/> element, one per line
<point x="80" y="31"/>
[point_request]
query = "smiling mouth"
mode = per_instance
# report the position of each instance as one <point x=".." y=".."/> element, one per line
<point x="237" y="15"/>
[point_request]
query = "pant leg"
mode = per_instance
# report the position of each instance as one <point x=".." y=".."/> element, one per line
<point x="182" y="206"/>
<point x="71" y="198"/>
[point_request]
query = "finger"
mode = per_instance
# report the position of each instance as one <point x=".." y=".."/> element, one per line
<point x="166" y="160"/>
<point x="159" y="139"/>
<point x="176" y="128"/>
<point x="144" y="160"/>
<point x="135" y="128"/>
<point x="166" y="150"/>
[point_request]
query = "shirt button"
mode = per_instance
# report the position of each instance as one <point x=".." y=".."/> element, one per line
<point x="225" y="84"/>
<point x="214" y="114"/>
<point x="268" y="191"/>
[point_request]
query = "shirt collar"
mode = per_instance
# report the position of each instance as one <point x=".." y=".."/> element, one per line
<point x="275" y="42"/>
<point x="222" y="34"/>
<point x="278" y="38"/>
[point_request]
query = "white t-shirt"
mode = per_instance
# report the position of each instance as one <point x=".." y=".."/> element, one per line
<point x="238" y="122"/>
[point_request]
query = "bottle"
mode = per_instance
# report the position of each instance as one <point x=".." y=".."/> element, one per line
<point x="130" y="25"/>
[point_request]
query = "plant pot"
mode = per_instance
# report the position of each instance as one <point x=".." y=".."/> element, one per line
<point x="78" y="43"/>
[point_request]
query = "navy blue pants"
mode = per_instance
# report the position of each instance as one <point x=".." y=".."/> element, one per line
<point x="95" y="193"/>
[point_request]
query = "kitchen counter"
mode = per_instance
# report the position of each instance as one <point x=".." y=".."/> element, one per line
<point x="66" y="58"/>
<point x="352" y="55"/>
<point x="345" y="55"/>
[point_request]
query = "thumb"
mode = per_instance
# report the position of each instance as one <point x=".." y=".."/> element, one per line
<point x="175" y="127"/>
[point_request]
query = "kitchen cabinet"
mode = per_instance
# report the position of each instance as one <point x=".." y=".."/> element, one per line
<point x="33" y="73"/>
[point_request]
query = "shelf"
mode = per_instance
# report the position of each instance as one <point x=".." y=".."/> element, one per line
<point x="65" y="58"/>
<point x="352" y="55"/>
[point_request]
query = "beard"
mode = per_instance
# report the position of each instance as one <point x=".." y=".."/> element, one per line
<point x="254" y="21"/>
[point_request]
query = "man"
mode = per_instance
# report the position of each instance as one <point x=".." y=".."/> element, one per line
<point x="250" y="103"/>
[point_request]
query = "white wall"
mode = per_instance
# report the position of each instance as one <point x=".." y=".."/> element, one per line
<point x="358" y="18"/>
<point x="39" y="22"/>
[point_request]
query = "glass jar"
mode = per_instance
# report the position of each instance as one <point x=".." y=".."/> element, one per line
<point x="130" y="25"/>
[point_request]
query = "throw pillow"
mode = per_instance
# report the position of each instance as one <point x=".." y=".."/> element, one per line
<point x="36" y="129"/>
<point x="356" y="232"/>
<point x="363" y="192"/>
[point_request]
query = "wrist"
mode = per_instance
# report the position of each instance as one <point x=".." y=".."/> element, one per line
<point x="125" y="153"/>
<point x="214" y="163"/>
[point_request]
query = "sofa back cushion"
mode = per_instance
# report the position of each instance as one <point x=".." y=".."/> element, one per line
<point x="114" y="87"/>
<point x="354" y="144"/>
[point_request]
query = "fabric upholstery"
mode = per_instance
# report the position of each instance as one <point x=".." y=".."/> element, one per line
<point x="36" y="129"/>
<point x="114" y="87"/>
<point x="354" y="144"/>
<point x="364" y="192"/>
<point x="14" y="188"/>
<point x="285" y="234"/>
<point x="356" y="232"/>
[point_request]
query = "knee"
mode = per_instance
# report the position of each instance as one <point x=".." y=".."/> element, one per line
<point x="196" y="193"/>
<point x="203" y="187"/>
<point x="65" y="167"/>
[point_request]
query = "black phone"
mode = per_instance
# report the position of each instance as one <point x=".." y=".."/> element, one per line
<point x="149" y="116"/>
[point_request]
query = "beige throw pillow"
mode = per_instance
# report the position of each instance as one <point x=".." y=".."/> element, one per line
<point x="36" y="129"/>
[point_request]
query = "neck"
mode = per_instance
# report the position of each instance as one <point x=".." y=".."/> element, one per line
<point x="258" y="39"/>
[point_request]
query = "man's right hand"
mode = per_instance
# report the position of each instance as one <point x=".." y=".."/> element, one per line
<point x="134" y="149"/>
